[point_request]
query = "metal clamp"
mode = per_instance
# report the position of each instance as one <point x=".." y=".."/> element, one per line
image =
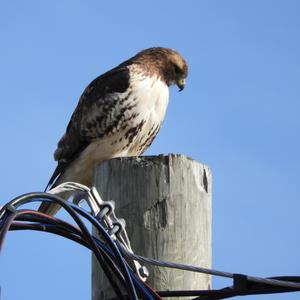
<point x="103" y="211"/>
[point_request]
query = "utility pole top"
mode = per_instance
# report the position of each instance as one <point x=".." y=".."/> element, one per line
<point x="166" y="203"/>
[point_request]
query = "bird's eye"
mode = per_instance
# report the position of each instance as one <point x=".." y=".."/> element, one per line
<point x="177" y="69"/>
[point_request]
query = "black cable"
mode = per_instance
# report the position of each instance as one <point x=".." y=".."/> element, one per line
<point x="8" y="219"/>
<point x="65" y="233"/>
<point x="108" y="262"/>
<point x="166" y="264"/>
<point x="84" y="214"/>
<point x="57" y="230"/>
<point x="252" y="279"/>
<point x="12" y="219"/>
<point x="31" y="197"/>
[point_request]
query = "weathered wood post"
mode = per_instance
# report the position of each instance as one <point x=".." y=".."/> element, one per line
<point x="166" y="202"/>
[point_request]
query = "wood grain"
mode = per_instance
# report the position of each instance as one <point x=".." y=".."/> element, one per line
<point x="166" y="202"/>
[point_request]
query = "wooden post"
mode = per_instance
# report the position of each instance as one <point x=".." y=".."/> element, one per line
<point x="166" y="202"/>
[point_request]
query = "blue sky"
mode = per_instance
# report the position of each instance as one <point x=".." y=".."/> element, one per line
<point x="239" y="114"/>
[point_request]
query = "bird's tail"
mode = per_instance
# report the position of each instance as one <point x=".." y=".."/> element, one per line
<point x="52" y="208"/>
<point x="55" y="177"/>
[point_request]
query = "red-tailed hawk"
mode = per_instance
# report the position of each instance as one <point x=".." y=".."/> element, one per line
<point x="118" y="114"/>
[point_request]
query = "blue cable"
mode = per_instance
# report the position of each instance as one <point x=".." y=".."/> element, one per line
<point x="133" y="277"/>
<point x="38" y="197"/>
<point x="103" y="247"/>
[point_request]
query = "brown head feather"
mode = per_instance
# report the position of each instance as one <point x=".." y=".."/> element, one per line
<point x="166" y="63"/>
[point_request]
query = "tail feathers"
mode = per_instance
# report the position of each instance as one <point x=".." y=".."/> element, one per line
<point x="49" y="208"/>
<point x="59" y="170"/>
<point x="52" y="208"/>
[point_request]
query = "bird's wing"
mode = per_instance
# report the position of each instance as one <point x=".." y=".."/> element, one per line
<point x="92" y="118"/>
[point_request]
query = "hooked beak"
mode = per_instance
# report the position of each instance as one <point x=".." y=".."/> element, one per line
<point x="181" y="84"/>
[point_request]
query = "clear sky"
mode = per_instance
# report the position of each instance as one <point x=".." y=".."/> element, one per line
<point x="239" y="114"/>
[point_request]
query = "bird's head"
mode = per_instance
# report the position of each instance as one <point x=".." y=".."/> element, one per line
<point x="168" y="63"/>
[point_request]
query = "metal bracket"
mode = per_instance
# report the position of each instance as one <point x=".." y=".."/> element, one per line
<point x="104" y="212"/>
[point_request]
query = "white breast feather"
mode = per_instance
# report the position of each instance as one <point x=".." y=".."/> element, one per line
<point x="151" y="96"/>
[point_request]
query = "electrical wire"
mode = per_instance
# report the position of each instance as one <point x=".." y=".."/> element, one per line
<point x="172" y="265"/>
<point x="185" y="267"/>
<point x="114" y="256"/>
<point x="32" y="197"/>
<point x="206" y="294"/>
<point x="30" y="215"/>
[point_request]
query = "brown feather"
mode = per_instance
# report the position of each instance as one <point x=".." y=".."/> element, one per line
<point x="109" y="112"/>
